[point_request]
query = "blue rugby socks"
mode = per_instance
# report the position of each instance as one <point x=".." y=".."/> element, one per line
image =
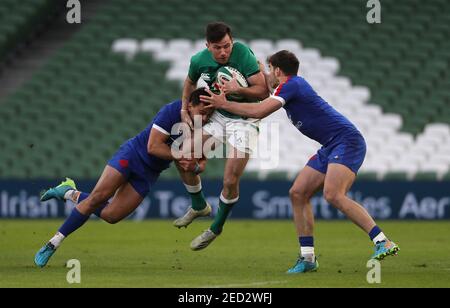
<point x="307" y="248"/>
<point x="376" y="235"/>
<point x="75" y="219"/>
<point x="72" y="223"/>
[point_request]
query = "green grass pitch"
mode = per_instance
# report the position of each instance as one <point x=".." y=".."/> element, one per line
<point x="248" y="254"/>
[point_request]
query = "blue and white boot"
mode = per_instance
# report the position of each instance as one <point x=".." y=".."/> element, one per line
<point x="44" y="254"/>
<point x="303" y="266"/>
<point x="59" y="191"/>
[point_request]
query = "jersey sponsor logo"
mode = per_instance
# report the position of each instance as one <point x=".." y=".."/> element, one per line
<point x="123" y="163"/>
<point x="205" y="77"/>
<point x="297" y="124"/>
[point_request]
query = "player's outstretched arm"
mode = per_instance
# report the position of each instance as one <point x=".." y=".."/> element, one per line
<point x="250" y="110"/>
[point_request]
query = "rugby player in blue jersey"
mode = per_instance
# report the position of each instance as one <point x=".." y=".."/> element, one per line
<point x="335" y="165"/>
<point x="132" y="171"/>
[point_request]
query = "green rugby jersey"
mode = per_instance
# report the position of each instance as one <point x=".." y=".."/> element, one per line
<point x="205" y="67"/>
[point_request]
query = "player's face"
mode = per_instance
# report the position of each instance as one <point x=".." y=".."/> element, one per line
<point x="273" y="78"/>
<point x="221" y="51"/>
<point x="200" y="111"/>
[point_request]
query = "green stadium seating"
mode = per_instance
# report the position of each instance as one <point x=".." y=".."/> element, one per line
<point x="277" y="175"/>
<point x="87" y="100"/>
<point x="446" y="177"/>
<point x="367" y="176"/>
<point x="18" y="20"/>
<point x="396" y="176"/>
<point x="250" y="175"/>
<point x="426" y="176"/>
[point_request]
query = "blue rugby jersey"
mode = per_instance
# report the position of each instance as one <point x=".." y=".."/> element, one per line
<point x="310" y="113"/>
<point x="167" y="117"/>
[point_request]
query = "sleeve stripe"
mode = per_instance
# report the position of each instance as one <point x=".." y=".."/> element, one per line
<point x="162" y="130"/>
<point x="278" y="89"/>
<point x="279" y="98"/>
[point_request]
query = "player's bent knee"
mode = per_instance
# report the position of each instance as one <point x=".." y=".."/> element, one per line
<point x="111" y="218"/>
<point x="299" y="195"/>
<point x="333" y="197"/>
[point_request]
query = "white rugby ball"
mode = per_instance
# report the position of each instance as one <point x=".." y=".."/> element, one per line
<point x="226" y="73"/>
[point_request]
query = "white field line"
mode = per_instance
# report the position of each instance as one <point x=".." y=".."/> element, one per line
<point x="239" y="285"/>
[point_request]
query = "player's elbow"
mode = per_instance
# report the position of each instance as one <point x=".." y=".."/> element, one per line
<point x="152" y="149"/>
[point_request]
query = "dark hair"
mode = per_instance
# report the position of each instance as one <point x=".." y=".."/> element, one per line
<point x="216" y="31"/>
<point x="194" y="99"/>
<point x="286" y="61"/>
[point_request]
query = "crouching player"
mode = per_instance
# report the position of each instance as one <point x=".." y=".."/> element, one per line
<point x="129" y="175"/>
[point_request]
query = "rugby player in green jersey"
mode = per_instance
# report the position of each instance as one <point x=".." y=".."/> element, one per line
<point x="238" y="133"/>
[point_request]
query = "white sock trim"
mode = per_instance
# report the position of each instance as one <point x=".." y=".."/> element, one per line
<point x="69" y="195"/>
<point x="228" y="201"/>
<point x="307" y="251"/>
<point x="193" y="189"/>
<point x="379" y="238"/>
<point x="57" y="239"/>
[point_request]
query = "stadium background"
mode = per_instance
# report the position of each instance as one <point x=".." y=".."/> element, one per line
<point x="71" y="94"/>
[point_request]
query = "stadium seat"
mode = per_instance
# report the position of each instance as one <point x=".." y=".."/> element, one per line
<point x="152" y="45"/>
<point x="391" y="83"/>
<point x="19" y="20"/>
<point x="396" y="176"/>
<point x="446" y="177"/>
<point x="426" y="176"/>
<point x="367" y="176"/>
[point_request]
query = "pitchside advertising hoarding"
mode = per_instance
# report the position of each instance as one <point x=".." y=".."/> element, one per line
<point x="258" y="200"/>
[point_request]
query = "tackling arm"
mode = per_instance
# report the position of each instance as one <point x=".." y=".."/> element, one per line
<point x="157" y="145"/>
<point x="250" y="110"/>
<point x="258" y="111"/>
